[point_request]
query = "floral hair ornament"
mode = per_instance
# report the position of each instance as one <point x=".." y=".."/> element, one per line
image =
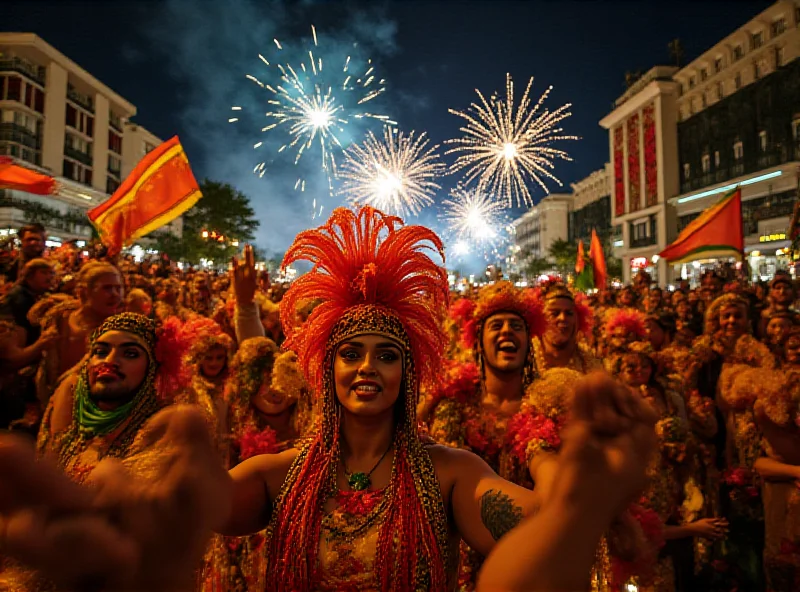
<point x="504" y="297"/>
<point x="204" y="334"/>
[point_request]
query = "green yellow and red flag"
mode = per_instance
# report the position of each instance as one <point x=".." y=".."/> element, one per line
<point x="158" y="190"/>
<point x="716" y="233"/>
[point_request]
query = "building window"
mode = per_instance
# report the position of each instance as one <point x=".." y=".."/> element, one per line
<point x="779" y="56"/>
<point x="756" y="40"/>
<point x="703" y="74"/>
<point x="737" y="81"/>
<point x="703" y="101"/>
<point x="692" y="82"/>
<point x="111" y="185"/>
<point x="756" y="70"/>
<point x="147" y="147"/>
<point x="706" y="161"/>
<point x="720" y="91"/>
<point x="114" y="142"/>
<point x="796" y="129"/>
<point x="738" y="151"/>
<point x="114" y="165"/>
<point x="687" y="170"/>
<point x="738" y="53"/>
<point x="716" y="158"/>
<point x="718" y="65"/>
<point x="14" y="90"/>
<point x="778" y="27"/>
<point x="762" y="141"/>
<point x="72" y="117"/>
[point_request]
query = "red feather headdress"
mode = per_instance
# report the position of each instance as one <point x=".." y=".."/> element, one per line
<point x="370" y="272"/>
<point x="504" y="297"/>
<point x="632" y="320"/>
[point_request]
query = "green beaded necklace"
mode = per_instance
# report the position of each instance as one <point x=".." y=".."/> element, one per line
<point x="93" y="421"/>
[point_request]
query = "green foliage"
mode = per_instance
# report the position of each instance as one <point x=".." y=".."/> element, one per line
<point x="563" y="255"/>
<point x="536" y="267"/>
<point x="224" y="210"/>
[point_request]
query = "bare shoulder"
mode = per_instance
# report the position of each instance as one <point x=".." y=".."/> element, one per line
<point x="451" y="462"/>
<point x="271" y="469"/>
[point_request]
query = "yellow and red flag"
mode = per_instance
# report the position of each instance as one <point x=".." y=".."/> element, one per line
<point x="579" y="260"/>
<point x="158" y="190"/>
<point x="13" y="176"/>
<point x="717" y="232"/>
<point x="598" y="259"/>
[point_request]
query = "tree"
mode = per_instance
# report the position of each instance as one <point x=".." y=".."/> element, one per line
<point x="536" y="266"/>
<point x="563" y="254"/>
<point x="222" y="212"/>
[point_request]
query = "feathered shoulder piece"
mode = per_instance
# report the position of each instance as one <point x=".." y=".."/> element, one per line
<point x="551" y="393"/>
<point x="505" y="297"/>
<point x="632" y="320"/>
<point x="372" y="274"/>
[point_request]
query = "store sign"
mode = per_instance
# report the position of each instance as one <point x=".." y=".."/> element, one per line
<point x="768" y="238"/>
<point x="639" y="263"/>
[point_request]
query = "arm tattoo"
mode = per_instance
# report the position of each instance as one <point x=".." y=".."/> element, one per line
<point x="498" y="513"/>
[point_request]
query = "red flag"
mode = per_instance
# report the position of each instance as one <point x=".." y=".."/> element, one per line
<point x="717" y="232"/>
<point x="579" y="261"/>
<point x="13" y="176"/>
<point x="598" y="262"/>
<point x="158" y="190"/>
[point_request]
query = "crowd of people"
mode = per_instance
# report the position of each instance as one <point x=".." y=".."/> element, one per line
<point x="365" y="428"/>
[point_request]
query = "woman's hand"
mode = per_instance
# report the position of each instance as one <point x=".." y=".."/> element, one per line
<point x="710" y="528"/>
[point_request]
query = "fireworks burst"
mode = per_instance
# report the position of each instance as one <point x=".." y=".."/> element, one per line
<point x="502" y="149"/>
<point x="396" y="174"/>
<point x="313" y="105"/>
<point x="474" y="221"/>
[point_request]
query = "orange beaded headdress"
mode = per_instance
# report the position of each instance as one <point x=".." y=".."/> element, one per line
<point x="374" y="276"/>
<point x="505" y="297"/>
<point x="632" y="320"/>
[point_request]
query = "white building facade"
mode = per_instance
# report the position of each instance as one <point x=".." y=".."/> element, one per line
<point x="59" y="120"/>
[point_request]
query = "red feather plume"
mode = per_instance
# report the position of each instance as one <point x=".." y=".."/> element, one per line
<point x="632" y="320"/>
<point x="367" y="258"/>
<point x="505" y="297"/>
<point x="171" y="348"/>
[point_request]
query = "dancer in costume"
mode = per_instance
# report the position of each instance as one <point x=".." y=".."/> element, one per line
<point x="777" y="411"/>
<point x="99" y="412"/>
<point x="365" y="504"/>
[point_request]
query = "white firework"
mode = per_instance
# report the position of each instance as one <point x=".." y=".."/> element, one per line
<point x="504" y="149"/>
<point x="396" y="174"/>
<point x="315" y="106"/>
<point x="474" y="221"/>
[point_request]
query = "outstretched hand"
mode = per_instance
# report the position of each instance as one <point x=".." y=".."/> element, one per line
<point x="141" y="525"/>
<point x="606" y="446"/>
<point x="243" y="277"/>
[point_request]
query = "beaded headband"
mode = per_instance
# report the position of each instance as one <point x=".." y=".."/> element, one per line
<point x="130" y="322"/>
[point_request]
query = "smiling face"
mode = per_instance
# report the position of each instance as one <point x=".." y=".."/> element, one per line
<point x="562" y="322"/>
<point x="368" y="374"/>
<point x="733" y="320"/>
<point x="118" y="365"/>
<point x="505" y="342"/>
<point x="213" y="363"/>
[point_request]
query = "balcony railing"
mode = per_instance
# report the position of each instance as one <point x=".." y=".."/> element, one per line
<point x="115" y="123"/>
<point x="35" y="73"/>
<point x="80" y="99"/>
<point x="81" y="157"/>
<point x="13" y="132"/>
<point x="644" y="241"/>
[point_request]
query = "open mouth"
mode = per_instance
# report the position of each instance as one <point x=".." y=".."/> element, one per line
<point x="366" y="390"/>
<point x="507" y="347"/>
<point x="106" y="372"/>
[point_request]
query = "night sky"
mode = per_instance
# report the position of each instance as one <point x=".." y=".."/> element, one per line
<point x="182" y="63"/>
